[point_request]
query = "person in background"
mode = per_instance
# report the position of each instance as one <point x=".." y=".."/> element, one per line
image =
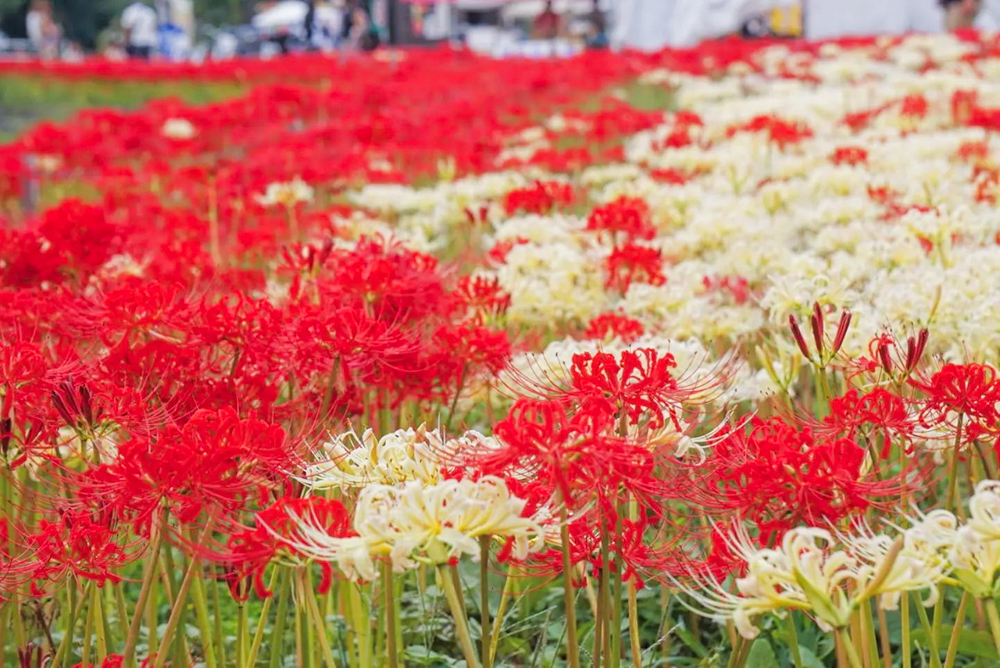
<point x="310" y="23"/>
<point x="141" y="25"/>
<point x="547" y="25"/>
<point x="961" y="14"/>
<point x="597" y="35"/>
<point x="43" y="31"/>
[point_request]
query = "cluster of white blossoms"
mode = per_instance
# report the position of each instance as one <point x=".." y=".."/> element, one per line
<point x="829" y="575"/>
<point x="872" y="202"/>
<point x="405" y="510"/>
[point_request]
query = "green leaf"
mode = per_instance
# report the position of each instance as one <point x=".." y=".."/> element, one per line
<point x="692" y="643"/>
<point x="970" y="643"/>
<point x="761" y="655"/>
<point x="809" y="659"/>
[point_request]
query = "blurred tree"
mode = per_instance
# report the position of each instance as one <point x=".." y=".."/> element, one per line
<point x="223" y="12"/>
<point x="83" y="20"/>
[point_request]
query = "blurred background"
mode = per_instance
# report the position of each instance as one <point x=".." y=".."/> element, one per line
<point x="196" y="30"/>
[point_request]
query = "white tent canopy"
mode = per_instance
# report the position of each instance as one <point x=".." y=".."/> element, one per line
<point x="654" y="24"/>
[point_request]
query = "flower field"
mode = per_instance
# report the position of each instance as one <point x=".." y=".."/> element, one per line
<point x="684" y="359"/>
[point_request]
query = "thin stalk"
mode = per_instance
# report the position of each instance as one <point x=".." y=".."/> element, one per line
<point x="603" y="594"/>
<point x="362" y="626"/>
<point x="569" y="600"/>
<point x="74" y="616"/>
<point x="508" y="586"/>
<point x="390" y="615"/>
<point x="953" y="466"/>
<point x="883" y="634"/>
<point x="101" y="630"/>
<point x="258" y="636"/>
<point x="88" y="625"/>
<point x="181" y="601"/>
<point x="123" y="621"/>
<point x="793" y="639"/>
<point x="128" y="656"/>
<point x="868" y="628"/>
<point x="317" y="618"/>
<point x="852" y="652"/>
<point x="458" y="613"/>
<point x="484" y="599"/>
<point x="241" y="634"/>
<point x="932" y="640"/>
<point x="949" y="659"/>
<point x="220" y="639"/>
<point x="204" y="622"/>
<point x="905" y="630"/>
<point x="991" y="614"/>
<point x="278" y="631"/>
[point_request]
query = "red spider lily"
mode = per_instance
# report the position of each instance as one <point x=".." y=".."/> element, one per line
<point x="78" y="544"/>
<point x="541" y="197"/>
<point x="736" y="286"/>
<point x="969" y="392"/>
<point x="632" y="263"/>
<point x="780" y="477"/>
<point x="780" y="132"/>
<point x="250" y="551"/>
<point x="633" y="385"/>
<point x="483" y="296"/>
<point x="627" y="217"/>
<point x="612" y="325"/>
<point x="849" y="155"/>
<point x="215" y="462"/>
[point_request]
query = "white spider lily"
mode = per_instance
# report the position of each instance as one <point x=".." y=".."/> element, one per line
<point x="416" y="522"/>
<point x="401" y="456"/>
<point x="975" y="553"/>
<point x="286" y="194"/>
<point x="801" y="574"/>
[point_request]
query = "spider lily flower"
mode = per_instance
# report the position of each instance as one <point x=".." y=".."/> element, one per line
<point x="179" y="129"/>
<point x="416" y="522"/>
<point x="397" y="457"/>
<point x="975" y="553"/>
<point x="286" y="194"/>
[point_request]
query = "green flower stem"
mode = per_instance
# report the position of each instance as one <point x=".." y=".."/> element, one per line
<point x="319" y="624"/>
<point x="278" y="631"/>
<point x="569" y="600"/>
<point x="128" y="656"/>
<point x="883" y="634"/>
<point x="508" y="587"/>
<point x="361" y="623"/>
<point x="390" y="615"/>
<point x="74" y="615"/>
<point x="458" y="613"/>
<point x="932" y="640"/>
<point x="484" y="599"/>
<point x="991" y="614"/>
<point x="949" y="660"/>
<point x="204" y="622"/>
<point x="181" y="600"/>
<point x="905" y="630"/>
<point x="793" y="639"/>
<point x="852" y="652"/>
<point x="258" y="635"/>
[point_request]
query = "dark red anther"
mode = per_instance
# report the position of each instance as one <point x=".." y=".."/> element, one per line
<point x="69" y="395"/>
<point x="817" y="324"/>
<point x="6" y="429"/>
<point x="86" y="405"/>
<point x="918" y="352"/>
<point x="61" y="407"/>
<point x="797" y="335"/>
<point x="883" y="356"/>
<point x="842" y="327"/>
